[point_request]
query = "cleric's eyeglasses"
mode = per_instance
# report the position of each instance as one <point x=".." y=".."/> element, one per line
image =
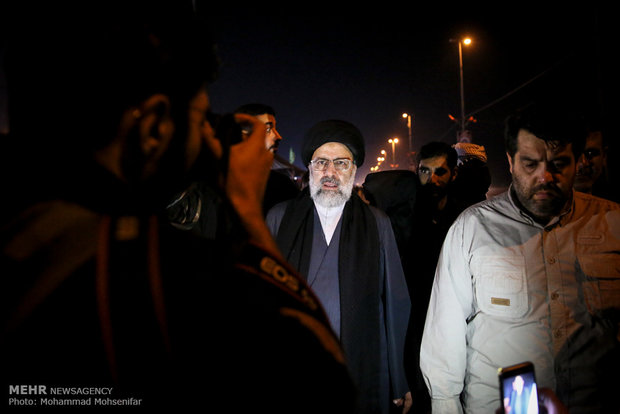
<point x="322" y="164"/>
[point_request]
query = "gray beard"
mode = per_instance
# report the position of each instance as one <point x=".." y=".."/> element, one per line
<point x="330" y="198"/>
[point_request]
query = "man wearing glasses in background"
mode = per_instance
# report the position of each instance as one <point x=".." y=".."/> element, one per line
<point x="347" y="252"/>
<point x="592" y="174"/>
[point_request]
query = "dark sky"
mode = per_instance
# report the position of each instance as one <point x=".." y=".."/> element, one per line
<point x="371" y="66"/>
<point x="368" y="66"/>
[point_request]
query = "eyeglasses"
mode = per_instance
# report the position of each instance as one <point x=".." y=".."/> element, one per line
<point x="340" y="164"/>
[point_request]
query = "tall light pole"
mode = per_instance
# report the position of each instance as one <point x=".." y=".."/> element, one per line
<point x="393" y="141"/>
<point x="466" y="41"/>
<point x="408" y="118"/>
<point x="380" y="159"/>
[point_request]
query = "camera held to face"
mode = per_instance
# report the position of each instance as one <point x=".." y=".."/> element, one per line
<point x="227" y="130"/>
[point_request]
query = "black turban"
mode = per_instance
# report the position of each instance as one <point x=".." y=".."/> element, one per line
<point x="333" y="131"/>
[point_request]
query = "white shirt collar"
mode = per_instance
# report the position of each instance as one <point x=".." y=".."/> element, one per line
<point x="329" y="217"/>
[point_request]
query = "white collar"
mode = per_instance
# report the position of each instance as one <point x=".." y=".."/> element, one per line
<point x="329" y="217"/>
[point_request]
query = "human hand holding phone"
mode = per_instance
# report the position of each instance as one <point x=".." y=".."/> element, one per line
<point x="518" y="390"/>
<point x="515" y="381"/>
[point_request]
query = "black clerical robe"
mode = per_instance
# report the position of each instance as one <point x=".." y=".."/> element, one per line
<point x="373" y="300"/>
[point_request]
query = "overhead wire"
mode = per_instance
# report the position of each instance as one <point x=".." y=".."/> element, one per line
<point x="508" y="94"/>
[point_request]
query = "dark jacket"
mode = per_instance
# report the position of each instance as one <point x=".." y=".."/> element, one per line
<point x="116" y="297"/>
<point x="374" y="304"/>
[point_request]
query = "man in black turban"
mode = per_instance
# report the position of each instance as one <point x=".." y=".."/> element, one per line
<point x="346" y="251"/>
<point x="334" y="130"/>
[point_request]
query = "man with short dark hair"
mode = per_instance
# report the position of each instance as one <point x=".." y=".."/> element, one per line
<point x="436" y="208"/>
<point x="592" y="174"/>
<point x="284" y="179"/>
<point x="347" y="253"/>
<point x="529" y="275"/>
<point x="436" y="171"/>
<point x="267" y="116"/>
<point x="97" y="289"/>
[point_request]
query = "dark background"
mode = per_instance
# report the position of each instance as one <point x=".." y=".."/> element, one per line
<point x="369" y="65"/>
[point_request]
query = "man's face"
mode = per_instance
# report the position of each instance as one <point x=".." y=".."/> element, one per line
<point x="435" y="175"/>
<point x="591" y="163"/>
<point x="331" y="187"/>
<point x="272" y="137"/>
<point x="542" y="176"/>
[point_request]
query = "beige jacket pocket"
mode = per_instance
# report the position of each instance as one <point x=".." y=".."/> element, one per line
<point x="501" y="286"/>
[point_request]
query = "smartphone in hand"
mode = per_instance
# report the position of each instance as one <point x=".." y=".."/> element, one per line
<point x="518" y="390"/>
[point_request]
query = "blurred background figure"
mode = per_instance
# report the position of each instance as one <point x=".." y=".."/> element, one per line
<point x="592" y="174"/>
<point x="285" y="179"/>
<point x="474" y="177"/>
<point x="394" y="192"/>
<point x="437" y="206"/>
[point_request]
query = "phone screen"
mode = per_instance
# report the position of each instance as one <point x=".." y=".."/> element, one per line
<point x="518" y="389"/>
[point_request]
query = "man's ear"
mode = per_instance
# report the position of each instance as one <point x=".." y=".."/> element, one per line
<point x="143" y="135"/>
<point x="154" y="126"/>
<point x="509" y="161"/>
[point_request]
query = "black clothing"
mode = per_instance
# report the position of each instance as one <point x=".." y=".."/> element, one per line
<point x="605" y="188"/>
<point x="371" y="291"/>
<point x="280" y="187"/>
<point x="94" y="297"/>
<point x="420" y="231"/>
<point x="431" y="227"/>
<point x="359" y="278"/>
<point x="395" y="192"/>
<point x="472" y="182"/>
<point x="198" y="207"/>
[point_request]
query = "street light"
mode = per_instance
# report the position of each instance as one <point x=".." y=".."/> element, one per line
<point x="466" y="41"/>
<point x="408" y="118"/>
<point x="393" y="141"/>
